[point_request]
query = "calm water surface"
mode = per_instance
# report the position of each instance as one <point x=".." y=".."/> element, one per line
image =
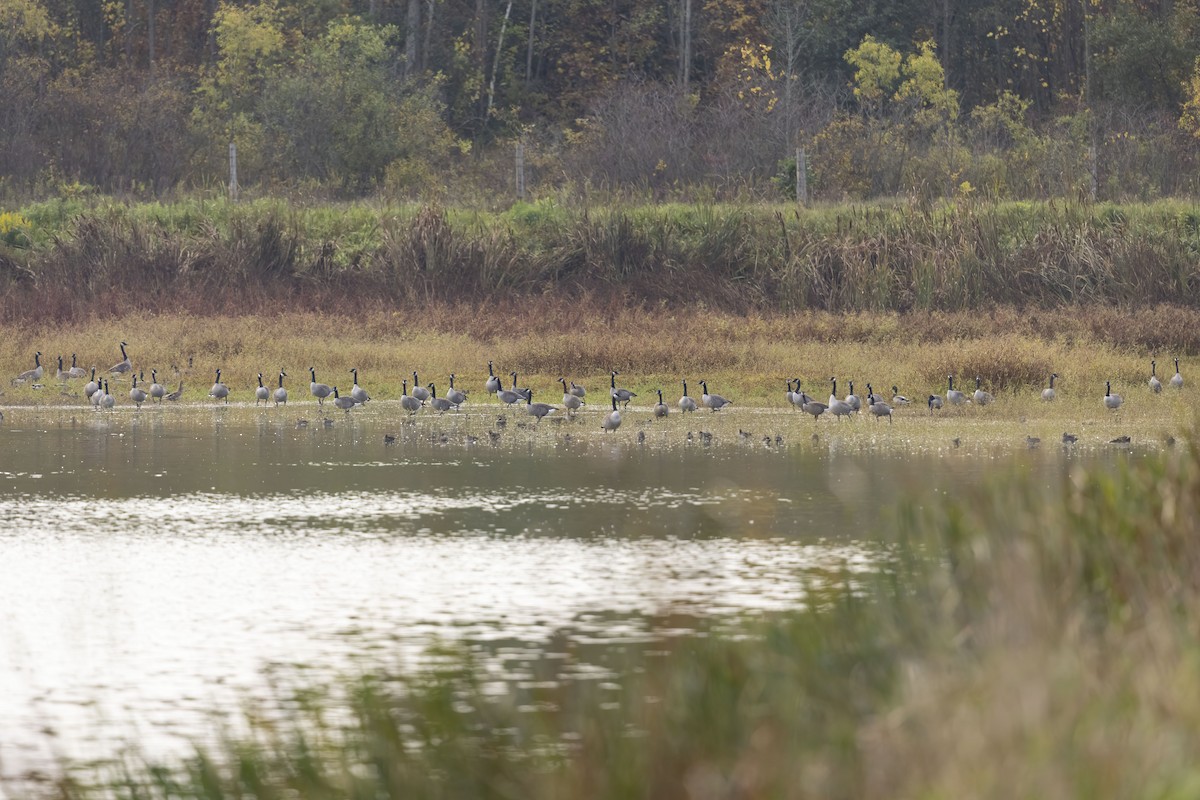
<point x="157" y="567"/>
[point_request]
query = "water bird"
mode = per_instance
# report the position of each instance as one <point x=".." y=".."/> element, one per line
<point x="388" y="439"/>
<point x="839" y="408"/>
<point x="981" y="397"/>
<point x="95" y="397"/>
<point x="1069" y="438"/>
<point x="410" y="404"/>
<point x="1120" y="440"/>
<point x="935" y="402"/>
<point x="219" y="391"/>
<point x="318" y="390"/>
<point x="61" y="374"/>
<point x="778" y="440"/>
<point x="1032" y="442"/>
<point x="301" y="423"/>
<point x="510" y="396"/>
<point x="956" y="441"/>
<point x="493" y="437"/>
<point x="706" y="438"/>
<point x="810" y="406"/>
<point x="686" y="403"/>
<point x="344" y="403"/>
<point x="641" y="437"/>
<point x="34" y="374"/>
<point x="456" y="396"/>
<point x="358" y="393"/>
<point x="501" y="421"/>
<point x="613" y="420"/>
<point x="107" y="401"/>
<point x="578" y="390"/>
<point x="954" y="396"/>
<point x="262" y="392"/>
<point x="474" y="440"/>
<point x="852" y="399"/>
<point x="1048" y="393"/>
<point x="419" y="391"/>
<point x="1155" y="383"/>
<point x="878" y="407"/>
<point x="157" y="390"/>
<point x="621" y="395"/>
<point x="1177" y="378"/>
<point x="571" y="402"/>
<point x="897" y="398"/>
<point x="438" y="404"/>
<point x="137" y="395"/>
<point x="660" y="410"/>
<point x="178" y="393"/>
<point x="493" y="383"/>
<point x="124" y="365"/>
<point x="523" y="394"/>
<point x="538" y="410"/>
<point x="280" y="395"/>
<point x="790" y="396"/>
<point x="75" y="371"/>
<point x="1111" y="401"/>
<point x="712" y="401"/>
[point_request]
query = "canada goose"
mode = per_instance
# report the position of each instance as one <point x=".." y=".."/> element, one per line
<point x="157" y="390"/>
<point x="92" y="386"/>
<point x="981" y="397"/>
<point x="810" y="406"/>
<point x="60" y="375"/>
<point x="1155" y="383"/>
<point x="262" y="392"/>
<point x="790" y="397"/>
<point x="1032" y="442"/>
<point x="799" y="398"/>
<point x="954" y="396"/>
<point x="523" y="394"/>
<point x="661" y="409"/>
<point x="107" y="401"/>
<point x="456" y="396"/>
<point x="852" y="399"/>
<point x="935" y="402"/>
<point x="344" y="403"/>
<point x="879" y="408"/>
<point x="1069" y="438"/>
<point x="613" y="420"/>
<point x="493" y="383"/>
<point x="439" y="404"/>
<point x="419" y="391"/>
<point x="1177" y="379"/>
<point x="839" y="408"/>
<point x="1111" y="400"/>
<point x="622" y="395"/>
<point x="97" y="395"/>
<point x="712" y="401"/>
<point x="686" y="403"/>
<point x="138" y="396"/>
<point x="280" y="394"/>
<point x="219" y="391"/>
<point x="571" y="402"/>
<point x="178" y="393"/>
<point x="358" y="393"/>
<point x="1048" y="393"/>
<point x="318" y="390"/>
<point x="75" y="371"/>
<point x="872" y="397"/>
<point x="36" y="373"/>
<point x="897" y="398"/>
<point x="410" y="404"/>
<point x="538" y="410"/>
<point x="578" y="391"/>
<point x="124" y="365"/>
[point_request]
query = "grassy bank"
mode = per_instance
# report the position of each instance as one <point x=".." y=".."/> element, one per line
<point x="1018" y="643"/>
<point x="75" y="259"/>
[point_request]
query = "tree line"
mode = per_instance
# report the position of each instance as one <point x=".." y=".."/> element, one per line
<point x="662" y="99"/>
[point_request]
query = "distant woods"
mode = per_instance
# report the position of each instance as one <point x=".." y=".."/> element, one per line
<point x="646" y="99"/>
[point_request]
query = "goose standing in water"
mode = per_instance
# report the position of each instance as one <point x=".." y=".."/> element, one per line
<point x="456" y="396"/>
<point x="897" y="398"/>
<point x="357" y="392"/>
<point x="790" y="396"/>
<point x="280" y="395"/>
<point x="36" y="373"/>
<point x="419" y="391"/>
<point x="91" y="387"/>
<point x="981" y="397"/>
<point x="178" y="393"/>
<point x="344" y="403"/>
<point x="75" y="371"/>
<point x="537" y="410"/>
<point x="261" y="393"/>
<point x="439" y="404"/>
<point x="318" y="390"/>
<point x="525" y="393"/>
<point x="1111" y="401"/>
<point x="661" y="410"/>
<point x="509" y="396"/>
<point x="138" y="396"/>
<point x="811" y="406"/>
<point x="839" y="408"/>
<point x="61" y="374"/>
<point x="712" y="401"/>
<point x="852" y="399"/>
<point x="124" y="365"/>
<point x="1177" y="379"/>
<point x="157" y="390"/>
<point x="1048" y="393"/>
<point x="935" y="403"/>
<point x="953" y="396"/>
<point x="1155" y="383"/>
<point x="219" y="391"/>
<point x="410" y="404"/>
<point x="613" y="420"/>
<point x="493" y="383"/>
<point x="686" y="403"/>
<point x="107" y="400"/>
<point x="621" y="395"/>
<point x="877" y="407"/>
<point x="571" y="402"/>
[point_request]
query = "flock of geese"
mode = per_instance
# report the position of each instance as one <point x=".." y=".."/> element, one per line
<point x="425" y="396"/>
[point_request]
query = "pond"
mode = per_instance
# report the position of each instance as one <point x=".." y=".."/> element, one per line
<point x="162" y="565"/>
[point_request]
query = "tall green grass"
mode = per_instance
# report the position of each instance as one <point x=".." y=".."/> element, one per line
<point x="204" y="254"/>
<point x="1019" y="641"/>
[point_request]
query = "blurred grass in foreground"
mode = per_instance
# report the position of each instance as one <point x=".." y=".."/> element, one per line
<point x="1019" y="643"/>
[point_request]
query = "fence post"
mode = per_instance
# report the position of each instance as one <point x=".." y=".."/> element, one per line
<point x="521" y="169"/>
<point x="801" y="177"/>
<point x="233" y="180"/>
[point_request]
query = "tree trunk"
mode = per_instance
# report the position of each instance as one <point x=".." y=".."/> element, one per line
<point x="496" y="61"/>
<point x="150" y="34"/>
<point x="412" y="30"/>
<point x="529" y="48"/>
<point x="685" y="41"/>
<point x="430" y="7"/>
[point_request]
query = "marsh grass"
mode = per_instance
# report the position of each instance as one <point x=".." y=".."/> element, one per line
<point x="1018" y="640"/>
